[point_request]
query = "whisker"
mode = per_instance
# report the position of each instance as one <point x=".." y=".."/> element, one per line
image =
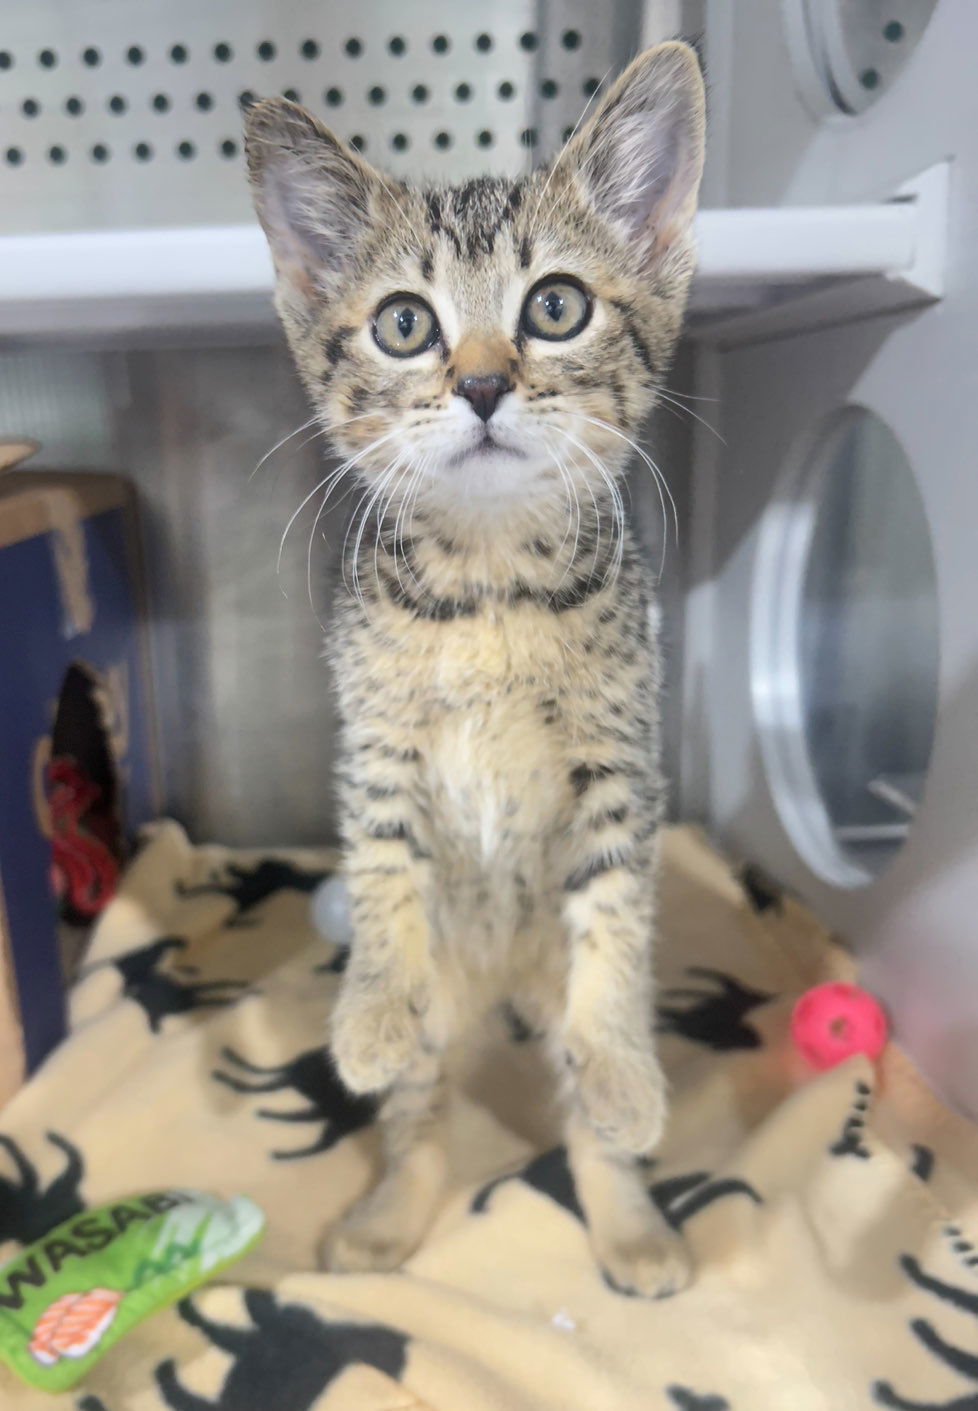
<point x="333" y="480"/>
<point x="381" y="515"/>
<point x="616" y="502"/>
<point x="324" y="430"/>
<point x="563" y="148"/>
<point x="689" y="396"/>
<point x="364" y="519"/>
<point x="672" y="403"/>
<point x="656" y="471"/>
<point x="279" y="444"/>
<point x="312" y="536"/>
<point x="403" y="521"/>
<point x="347" y="464"/>
<point x="414" y="494"/>
<point x="367" y="492"/>
<point x="329" y="482"/>
<point x="379" y="505"/>
<point x="572" y="497"/>
<point x="568" y="502"/>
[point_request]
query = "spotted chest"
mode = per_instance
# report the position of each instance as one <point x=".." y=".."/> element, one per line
<point x="493" y="708"/>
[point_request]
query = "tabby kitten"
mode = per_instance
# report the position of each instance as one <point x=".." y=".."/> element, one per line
<point x="479" y="353"/>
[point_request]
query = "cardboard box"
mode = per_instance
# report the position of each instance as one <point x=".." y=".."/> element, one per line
<point x="72" y="653"/>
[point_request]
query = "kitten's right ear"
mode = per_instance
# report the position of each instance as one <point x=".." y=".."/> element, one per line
<point x="312" y="193"/>
<point x="640" y="156"/>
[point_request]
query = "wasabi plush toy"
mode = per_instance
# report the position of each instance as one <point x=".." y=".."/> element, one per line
<point x="68" y="1297"/>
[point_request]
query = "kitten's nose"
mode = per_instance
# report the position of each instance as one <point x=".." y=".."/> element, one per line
<point x="483" y="393"/>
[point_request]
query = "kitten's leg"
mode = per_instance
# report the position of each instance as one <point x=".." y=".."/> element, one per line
<point x="617" y="1087"/>
<point x="637" y="1252"/>
<point x="608" y="1044"/>
<point x="387" y="989"/>
<point x="389" y="1222"/>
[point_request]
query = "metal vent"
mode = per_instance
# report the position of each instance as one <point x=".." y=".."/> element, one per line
<point x="117" y="115"/>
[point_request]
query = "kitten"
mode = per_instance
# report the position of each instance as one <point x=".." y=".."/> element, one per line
<point x="480" y="354"/>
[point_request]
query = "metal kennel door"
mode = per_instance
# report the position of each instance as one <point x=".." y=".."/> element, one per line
<point x="832" y="636"/>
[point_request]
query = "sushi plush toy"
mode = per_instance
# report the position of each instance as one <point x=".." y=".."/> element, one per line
<point x="65" y="1299"/>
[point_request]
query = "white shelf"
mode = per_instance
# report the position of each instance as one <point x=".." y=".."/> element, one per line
<point x="217" y="280"/>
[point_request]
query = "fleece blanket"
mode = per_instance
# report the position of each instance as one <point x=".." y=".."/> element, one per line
<point x="833" y="1219"/>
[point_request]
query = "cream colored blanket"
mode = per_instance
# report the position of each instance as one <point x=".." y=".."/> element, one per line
<point x="834" y="1221"/>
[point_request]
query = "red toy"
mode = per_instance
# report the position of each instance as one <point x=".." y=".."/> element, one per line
<point x="832" y="1022"/>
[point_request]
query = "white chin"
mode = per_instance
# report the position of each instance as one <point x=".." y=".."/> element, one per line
<point x="489" y="475"/>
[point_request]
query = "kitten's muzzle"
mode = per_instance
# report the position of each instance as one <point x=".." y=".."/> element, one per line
<point x="483" y="393"/>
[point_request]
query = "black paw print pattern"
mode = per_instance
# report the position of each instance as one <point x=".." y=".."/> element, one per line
<point x="161" y="994"/>
<point x="961" y="1360"/>
<point x="248" y="887"/>
<point x="850" y="1141"/>
<point x="713" y="1013"/>
<point x="337" y="963"/>
<point x="685" y="1400"/>
<point x="312" y="1076"/>
<point x="921" y="1161"/>
<point x="285" y="1360"/>
<point x="678" y="1197"/>
<point x="761" y="891"/>
<point x="29" y="1210"/>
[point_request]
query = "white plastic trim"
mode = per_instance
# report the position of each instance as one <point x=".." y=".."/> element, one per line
<point x="220" y="277"/>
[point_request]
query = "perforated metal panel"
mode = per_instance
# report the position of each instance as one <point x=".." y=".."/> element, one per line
<point x="847" y="53"/>
<point x="116" y="113"/>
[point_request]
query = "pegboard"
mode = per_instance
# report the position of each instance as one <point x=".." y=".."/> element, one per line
<point x="117" y="114"/>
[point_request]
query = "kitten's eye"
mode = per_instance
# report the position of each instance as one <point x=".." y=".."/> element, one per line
<point x="556" y="308"/>
<point x="405" y="326"/>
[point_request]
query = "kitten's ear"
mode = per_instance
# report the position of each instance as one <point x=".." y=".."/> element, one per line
<point x="640" y="157"/>
<point x="313" y="194"/>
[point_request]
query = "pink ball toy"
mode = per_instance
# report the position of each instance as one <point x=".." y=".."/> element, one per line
<point x="832" y="1022"/>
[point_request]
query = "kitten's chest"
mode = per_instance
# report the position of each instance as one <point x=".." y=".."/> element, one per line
<point x="491" y="736"/>
<point x="494" y="778"/>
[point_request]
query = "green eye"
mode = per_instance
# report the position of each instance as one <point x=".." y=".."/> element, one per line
<point x="556" y="308"/>
<point x="405" y="326"/>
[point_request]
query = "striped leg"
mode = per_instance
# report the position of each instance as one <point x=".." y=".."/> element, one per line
<point x="387" y="990"/>
<point x="638" y="1253"/>
<point x="389" y="1222"/>
<point x="608" y="911"/>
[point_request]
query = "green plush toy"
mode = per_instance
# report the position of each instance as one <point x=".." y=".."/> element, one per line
<point x="68" y="1297"/>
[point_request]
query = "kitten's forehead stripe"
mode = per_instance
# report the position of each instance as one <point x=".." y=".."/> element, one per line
<point x="472" y="216"/>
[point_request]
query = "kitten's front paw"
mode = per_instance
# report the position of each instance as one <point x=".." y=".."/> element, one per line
<point x="655" y="1264"/>
<point x="622" y="1094"/>
<point x="374" y="1040"/>
<point x="361" y="1249"/>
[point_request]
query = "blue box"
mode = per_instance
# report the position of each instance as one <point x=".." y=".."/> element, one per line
<point x="69" y="597"/>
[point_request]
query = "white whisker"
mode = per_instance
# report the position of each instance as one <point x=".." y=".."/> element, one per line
<point x="279" y="444"/>
<point x="672" y="402"/>
<point x="330" y="483"/>
<point x="563" y="148"/>
<point x="689" y="396"/>
<point x="378" y="490"/>
<point x="347" y="465"/>
<point x="381" y="514"/>
<point x="618" y="507"/>
<point x="324" y="430"/>
<point x="403" y="521"/>
<point x="657" y="473"/>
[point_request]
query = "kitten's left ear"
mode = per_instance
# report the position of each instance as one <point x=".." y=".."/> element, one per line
<point x="640" y="157"/>
<point x="315" y="197"/>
